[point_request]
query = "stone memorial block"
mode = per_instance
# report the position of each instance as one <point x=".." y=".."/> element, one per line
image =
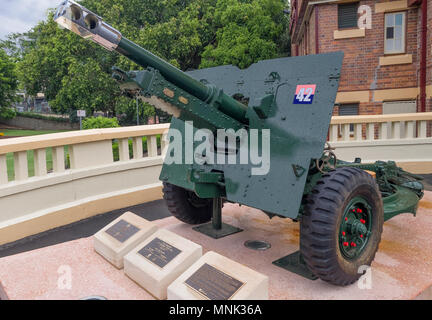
<point x="157" y="261"/>
<point x="215" y="277"/>
<point x="120" y="236"/>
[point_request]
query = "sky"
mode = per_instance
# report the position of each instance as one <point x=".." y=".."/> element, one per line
<point x="22" y="15"/>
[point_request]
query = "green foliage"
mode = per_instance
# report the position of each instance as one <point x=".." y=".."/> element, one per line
<point x="7" y="113"/>
<point x="85" y="87"/>
<point x="8" y="86"/>
<point x="209" y="33"/>
<point x="62" y="65"/>
<point x="76" y="74"/>
<point x="126" y="111"/>
<point x="246" y="32"/>
<point x="99" y="123"/>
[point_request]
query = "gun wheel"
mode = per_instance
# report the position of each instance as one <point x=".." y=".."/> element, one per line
<point x="186" y="206"/>
<point x="342" y="225"/>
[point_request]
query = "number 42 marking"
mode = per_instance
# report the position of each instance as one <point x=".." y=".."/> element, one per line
<point x="301" y="95"/>
<point x="304" y="94"/>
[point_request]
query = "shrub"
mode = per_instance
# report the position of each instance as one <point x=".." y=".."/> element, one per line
<point x="42" y="116"/>
<point x="7" y="113"/>
<point x="99" y="122"/>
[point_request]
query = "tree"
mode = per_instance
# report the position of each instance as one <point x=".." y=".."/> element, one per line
<point x="85" y="86"/>
<point x="75" y="74"/>
<point x="246" y="32"/>
<point x="126" y="111"/>
<point x="210" y="33"/>
<point x="8" y="86"/>
<point x="44" y="67"/>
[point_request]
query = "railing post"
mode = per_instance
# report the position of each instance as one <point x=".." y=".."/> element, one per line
<point x="58" y="159"/>
<point x="123" y="145"/>
<point x="370" y="131"/>
<point x="137" y="147"/>
<point x="396" y="130"/>
<point x="423" y="129"/>
<point x="383" y="130"/>
<point x="20" y="165"/>
<point x="152" y="146"/>
<point x="40" y="166"/>
<point x="3" y="169"/>
<point x="333" y="133"/>
<point x="358" y="131"/>
<point x="409" y="129"/>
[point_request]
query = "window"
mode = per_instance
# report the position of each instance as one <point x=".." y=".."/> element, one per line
<point x="394" y="33"/>
<point x="395" y="107"/>
<point x="349" y="110"/>
<point x="347" y="15"/>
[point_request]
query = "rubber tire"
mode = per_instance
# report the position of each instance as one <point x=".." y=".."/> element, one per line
<point x="319" y="228"/>
<point x="180" y="207"/>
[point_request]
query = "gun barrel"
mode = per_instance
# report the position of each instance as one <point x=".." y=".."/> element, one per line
<point x="88" y="25"/>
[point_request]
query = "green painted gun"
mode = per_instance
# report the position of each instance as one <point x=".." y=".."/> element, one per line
<point x="257" y="137"/>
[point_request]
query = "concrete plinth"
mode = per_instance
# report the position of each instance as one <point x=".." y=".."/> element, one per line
<point x="402" y="268"/>
<point x="242" y="282"/>
<point x="116" y="239"/>
<point x="159" y="260"/>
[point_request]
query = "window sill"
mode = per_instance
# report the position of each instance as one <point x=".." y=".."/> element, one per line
<point x="346" y="34"/>
<point x="392" y="6"/>
<point x="395" y="59"/>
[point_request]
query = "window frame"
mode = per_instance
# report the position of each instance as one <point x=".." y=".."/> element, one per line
<point x="404" y="32"/>
<point x="341" y="105"/>
<point x="357" y="3"/>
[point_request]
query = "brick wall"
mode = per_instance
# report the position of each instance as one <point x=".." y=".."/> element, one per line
<point x="361" y="70"/>
<point x="429" y="46"/>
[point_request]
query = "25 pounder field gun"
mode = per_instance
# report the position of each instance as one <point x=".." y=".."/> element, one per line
<point x="281" y="108"/>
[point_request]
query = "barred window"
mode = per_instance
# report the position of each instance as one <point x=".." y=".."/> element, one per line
<point x="349" y="110"/>
<point x="347" y="15"/>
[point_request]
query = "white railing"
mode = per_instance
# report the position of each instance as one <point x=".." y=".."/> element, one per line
<point x="55" y="153"/>
<point x="379" y="127"/>
<point x="55" y="179"/>
<point x="404" y="138"/>
<point x="52" y="180"/>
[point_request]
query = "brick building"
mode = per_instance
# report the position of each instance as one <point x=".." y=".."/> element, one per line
<point x="387" y="46"/>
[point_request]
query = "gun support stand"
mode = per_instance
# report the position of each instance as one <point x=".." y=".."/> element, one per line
<point x="216" y="228"/>
<point x="294" y="262"/>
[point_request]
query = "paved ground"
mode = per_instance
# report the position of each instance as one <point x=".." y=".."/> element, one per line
<point x="85" y="228"/>
<point x="401" y="270"/>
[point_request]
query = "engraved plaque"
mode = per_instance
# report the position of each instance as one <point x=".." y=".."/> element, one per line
<point x="159" y="252"/>
<point x="213" y="283"/>
<point x="122" y="230"/>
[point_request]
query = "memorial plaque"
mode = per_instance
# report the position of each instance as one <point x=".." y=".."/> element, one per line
<point x="159" y="252"/>
<point x="213" y="283"/>
<point x="122" y="230"/>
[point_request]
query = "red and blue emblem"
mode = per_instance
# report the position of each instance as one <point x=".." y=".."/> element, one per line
<point x="304" y="94"/>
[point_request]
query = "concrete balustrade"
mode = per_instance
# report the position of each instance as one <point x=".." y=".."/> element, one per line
<point x="76" y="175"/>
<point x="81" y="180"/>
<point x="403" y="138"/>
